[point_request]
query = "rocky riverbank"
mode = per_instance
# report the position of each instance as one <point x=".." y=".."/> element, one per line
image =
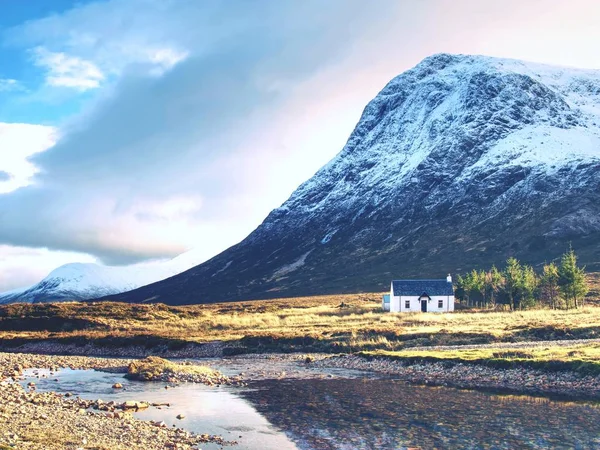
<point x="469" y="376"/>
<point x="32" y="420"/>
<point x="12" y="364"/>
<point x="48" y="421"/>
<point x="50" y="347"/>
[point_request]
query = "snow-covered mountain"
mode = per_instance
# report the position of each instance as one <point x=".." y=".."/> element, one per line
<point x="456" y="163"/>
<point x="84" y="281"/>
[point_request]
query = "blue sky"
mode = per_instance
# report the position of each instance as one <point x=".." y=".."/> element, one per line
<point x="133" y="130"/>
<point x="17" y="64"/>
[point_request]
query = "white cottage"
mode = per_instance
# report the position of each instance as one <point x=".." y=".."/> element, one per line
<point x="420" y="295"/>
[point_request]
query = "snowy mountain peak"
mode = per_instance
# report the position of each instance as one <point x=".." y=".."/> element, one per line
<point x="455" y="115"/>
<point x="83" y="281"/>
<point x="457" y="163"/>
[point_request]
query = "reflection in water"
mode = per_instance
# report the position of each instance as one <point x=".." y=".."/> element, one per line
<point x="206" y="409"/>
<point x="387" y="414"/>
<point x="340" y="413"/>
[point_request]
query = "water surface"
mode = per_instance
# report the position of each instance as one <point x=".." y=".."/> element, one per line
<point x="353" y="413"/>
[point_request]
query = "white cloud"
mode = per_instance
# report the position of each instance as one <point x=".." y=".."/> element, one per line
<point x="178" y="208"/>
<point x="18" y="142"/>
<point x="22" y="267"/>
<point x="165" y="58"/>
<point x="68" y="71"/>
<point x="8" y="84"/>
<point x="159" y="165"/>
<point x="102" y="39"/>
<point x="245" y="101"/>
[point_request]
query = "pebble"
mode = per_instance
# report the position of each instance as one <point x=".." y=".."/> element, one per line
<point x="470" y="376"/>
<point x="71" y="419"/>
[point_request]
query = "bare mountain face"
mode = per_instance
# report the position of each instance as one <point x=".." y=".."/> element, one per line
<point x="457" y="163"/>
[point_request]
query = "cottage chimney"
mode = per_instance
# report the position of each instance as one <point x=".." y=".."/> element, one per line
<point x="449" y="278"/>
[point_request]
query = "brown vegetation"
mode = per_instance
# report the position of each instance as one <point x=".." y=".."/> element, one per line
<point x="337" y="323"/>
<point x="582" y="358"/>
<point x="155" y="368"/>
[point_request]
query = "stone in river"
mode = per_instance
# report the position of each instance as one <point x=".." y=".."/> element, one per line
<point x="130" y="404"/>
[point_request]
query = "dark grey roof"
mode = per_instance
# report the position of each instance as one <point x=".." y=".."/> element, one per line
<point x="420" y="287"/>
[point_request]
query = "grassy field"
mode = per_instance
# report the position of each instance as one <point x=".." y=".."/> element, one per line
<point x="579" y="358"/>
<point x="344" y="323"/>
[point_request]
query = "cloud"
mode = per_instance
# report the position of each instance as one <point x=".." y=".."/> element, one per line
<point x="22" y="267"/>
<point x="165" y="160"/>
<point x="9" y="84"/>
<point x="18" y="143"/>
<point x="68" y="71"/>
<point x="115" y="34"/>
<point x="206" y="115"/>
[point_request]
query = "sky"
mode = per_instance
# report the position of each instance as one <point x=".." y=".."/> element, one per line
<point x="135" y="130"/>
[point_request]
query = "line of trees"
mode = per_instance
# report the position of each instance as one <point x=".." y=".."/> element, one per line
<point x="519" y="286"/>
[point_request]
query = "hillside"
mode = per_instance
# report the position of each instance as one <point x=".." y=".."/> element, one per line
<point x="457" y="163"/>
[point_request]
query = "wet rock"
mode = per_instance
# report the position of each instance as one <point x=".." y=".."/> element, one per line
<point x="131" y="404"/>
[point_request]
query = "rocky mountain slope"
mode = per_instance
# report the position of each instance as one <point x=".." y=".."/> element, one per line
<point x="79" y="281"/>
<point x="456" y="163"/>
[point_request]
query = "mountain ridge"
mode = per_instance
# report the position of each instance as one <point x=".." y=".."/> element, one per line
<point x="458" y="162"/>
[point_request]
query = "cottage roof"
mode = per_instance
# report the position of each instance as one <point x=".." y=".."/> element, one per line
<point x="420" y="287"/>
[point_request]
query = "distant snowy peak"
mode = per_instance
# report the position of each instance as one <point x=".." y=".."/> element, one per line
<point x="83" y="281"/>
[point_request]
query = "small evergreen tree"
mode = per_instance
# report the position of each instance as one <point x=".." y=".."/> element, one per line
<point x="460" y="288"/>
<point x="513" y="282"/>
<point x="494" y="282"/>
<point x="477" y="287"/>
<point x="571" y="279"/>
<point x="529" y="284"/>
<point x="549" y="289"/>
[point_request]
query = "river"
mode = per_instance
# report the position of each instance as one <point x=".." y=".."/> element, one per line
<point x="348" y="411"/>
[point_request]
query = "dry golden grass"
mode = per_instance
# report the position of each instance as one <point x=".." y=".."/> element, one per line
<point x="593" y="296"/>
<point x="579" y="357"/>
<point x="153" y="367"/>
<point x="330" y="323"/>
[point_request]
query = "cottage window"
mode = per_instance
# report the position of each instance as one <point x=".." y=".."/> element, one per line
<point x="407" y="304"/>
<point x="440" y="303"/>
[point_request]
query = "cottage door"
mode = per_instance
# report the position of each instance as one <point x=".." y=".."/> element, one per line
<point x="423" y="305"/>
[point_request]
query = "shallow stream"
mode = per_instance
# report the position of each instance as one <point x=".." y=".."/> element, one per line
<point x="353" y="412"/>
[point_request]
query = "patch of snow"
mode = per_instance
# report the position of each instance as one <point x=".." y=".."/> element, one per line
<point x="424" y="117"/>
<point x="540" y="146"/>
<point x="328" y="237"/>
<point x="292" y="266"/>
<point x="222" y="269"/>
